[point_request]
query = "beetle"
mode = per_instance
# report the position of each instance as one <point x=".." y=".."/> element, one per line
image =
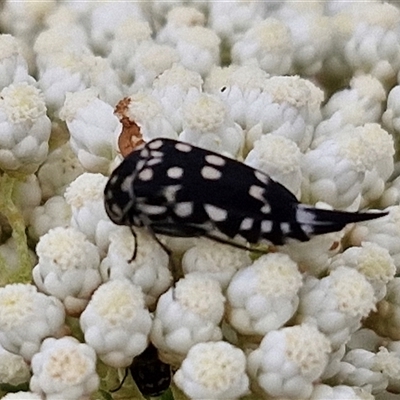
<point x="177" y="189"/>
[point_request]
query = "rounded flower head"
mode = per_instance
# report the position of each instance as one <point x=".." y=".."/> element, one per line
<point x="289" y="361"/>
<point x="373" y="46"/>
<point x="93" y="128"/>
<point x="207" y="123"/>
<point x="13" y="66"/>
<point x="205" y="114"/>
<point x="230" y="19"/>
<point x="187" y="314"/>
<point x="105" y="18"/>
<point x="128" y="37"/>
<point x="150" y="60"/>
<point x="214" y="260"/>
<point x="311" y="34"/>
<point x="27" y="317"/>
<point x="25" y="128"/>
<point x="68" y="267"/>
<point x="268" y="43"/>
<point x="58" y="171"/>
<point x="355" y="299"/>
<point x="384" y="231"/>
<point x="55" y="212"/>
<point x="360" y="104"/>
<point x="178" y="18"/>
<point x="280" y="158"/>
<point x="288" y="106"/>
<point x="198" y="48"/>
<point x="239" y="87"/>
<point x="64" y="368"/>
<point x="373" y="261"/>
<point x="214" y="370"/>
<point x="171" y="89"/>
<point x="63" y="73"/>
<point x="147" y="111"/>
<point x="116" y="323"/>
<point x="86" y="198"/>
<point x="149" y="269"/>
<point x="336" y="303"/>
<point x="335" y="170"/>
<point x="13" y="369"/>
<point x="64" y="36"/>
<point x="263" y="296"/>
<point x="379" y="150"/>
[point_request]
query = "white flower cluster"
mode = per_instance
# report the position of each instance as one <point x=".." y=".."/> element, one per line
<point x="307" y="92"/>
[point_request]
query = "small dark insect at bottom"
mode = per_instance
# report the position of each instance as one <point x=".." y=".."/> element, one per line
<point x="151" y="375"/>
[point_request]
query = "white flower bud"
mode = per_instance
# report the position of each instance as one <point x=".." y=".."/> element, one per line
<point x="27" y="317"/>
<point x="214" y="370"/>
<point x="13" y="369"/>
<point x="336" y="303"/>
<point x="25" y="128"/>
<point x="373" y="261"/>
<point x="289" y="361"/>
<point x="188" y="314"/>
<point x="93" y="127"/>
<point x="116" y="323"/>
<point x="280" y="158"/>
<point x="207" y="124"/>
<point x="214" y="260"/>
<point x="267" y="43"/>
<point x="149" y="269"/>
<point x="64" y="368"/>
<point x="68" y="267"/>
<point x="264" y="296"/>
<point x="85" y="195"/>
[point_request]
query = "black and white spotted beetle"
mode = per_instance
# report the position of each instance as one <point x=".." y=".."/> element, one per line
<point x="177" y="189"/>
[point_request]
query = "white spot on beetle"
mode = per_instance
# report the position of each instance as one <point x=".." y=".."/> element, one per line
<point x="246" y="224"/>
<point x="156" y="144"/>
<point x="114" y="179"/>
<point x="266" y="226"/>
<point x="265" y="209"/>
<point x="144" y="152"/>
<point x="184" y="147"/>
<point x="210" y="173"/>
<point x="257" y="192"/>
<point x="285" y="227"/>
<point x="154" y="161"/>
<point x="175" y="172"/>
<point x="264" y="178"/>
<point x="140" y="164"/>
<point x="215" y="160"/>
<point x="304" y="215"/>
<point x="184" y="209"/>
<point x="152" y="209"/>
<point x="215" y="213"/>
<point x="146" y="174"/>
<point x="170" y="192"/>
<point x="127" y="184"/>
<point x="157" y="154"/>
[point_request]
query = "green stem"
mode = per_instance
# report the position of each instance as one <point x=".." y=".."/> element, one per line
<point x="23" y="274"/>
